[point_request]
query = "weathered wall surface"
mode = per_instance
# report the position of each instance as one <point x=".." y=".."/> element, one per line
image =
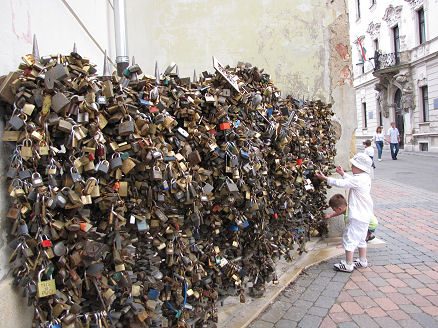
<point x="302" y="44"/>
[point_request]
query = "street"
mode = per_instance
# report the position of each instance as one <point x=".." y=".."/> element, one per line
<point x="400" y="286"/>
<point x="413" y="169"/>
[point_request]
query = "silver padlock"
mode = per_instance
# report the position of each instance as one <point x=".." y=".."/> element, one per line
<point x="37" y="181"/>
<point x="83" y="117"/>
<point x="116" y="162"/>
<point x="16" y="122"/>
<point x="75" y="175"/>
<point x="126" y="127"/>
<point x="156" y="174"/>
<point x="61" y="199"/>
<point x="103" y="167"/>
<point x="25" y="174"/>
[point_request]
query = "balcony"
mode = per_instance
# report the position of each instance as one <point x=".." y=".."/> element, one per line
<point x="382" y="61"/>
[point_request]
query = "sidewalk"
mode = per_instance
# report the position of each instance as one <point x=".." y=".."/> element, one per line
<point x="399" y="289"/>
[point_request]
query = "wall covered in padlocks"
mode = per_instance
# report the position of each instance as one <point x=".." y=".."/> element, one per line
<point x="144" y="200"/>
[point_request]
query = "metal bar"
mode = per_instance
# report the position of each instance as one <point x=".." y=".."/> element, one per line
<point x="122" y="59"/>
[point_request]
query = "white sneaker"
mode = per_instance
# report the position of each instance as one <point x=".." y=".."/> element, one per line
<point x="359" y="264"/>
<point x="380" y="159"/>
<point x="344" y="267"/>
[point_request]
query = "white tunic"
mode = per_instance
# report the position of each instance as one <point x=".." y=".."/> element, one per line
<point x="360" y="203"/>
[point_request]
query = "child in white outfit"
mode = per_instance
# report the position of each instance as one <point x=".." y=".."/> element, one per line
<point x="360" y="210"/>
<point x="369" y="150"/>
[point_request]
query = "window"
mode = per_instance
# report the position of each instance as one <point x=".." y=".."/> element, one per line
<point x="421" y="26"/>
<point x="357" y="9"/>
<point x="380" y="118"/>
<point x="373" y="2"/>
<point x="425" y="103"/>
<point x="364" y="112"/>
<point x="396" y="36"/>
<point x="376" y="44"/>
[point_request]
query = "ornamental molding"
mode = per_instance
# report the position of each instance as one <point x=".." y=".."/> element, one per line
<point x="361" y="38"/>
<point x="415" y="4"/>
<point x="407" y="89"/>
<point x="392" y="15"/>
<point x="373" y="30"/>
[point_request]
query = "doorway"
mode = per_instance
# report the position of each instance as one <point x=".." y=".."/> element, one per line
<point x="399" y="118"/>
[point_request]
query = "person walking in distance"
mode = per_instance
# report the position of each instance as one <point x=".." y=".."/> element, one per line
<point x="394" y="139"/>
<point x="378" y="138"/>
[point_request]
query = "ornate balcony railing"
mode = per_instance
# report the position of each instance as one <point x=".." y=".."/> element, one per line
<point x="382" y="61"/>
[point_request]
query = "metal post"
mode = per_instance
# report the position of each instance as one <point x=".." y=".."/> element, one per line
<point x="122" y="58"/>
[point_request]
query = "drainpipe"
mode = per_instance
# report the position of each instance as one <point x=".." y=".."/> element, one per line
<point x="122" y="58"/>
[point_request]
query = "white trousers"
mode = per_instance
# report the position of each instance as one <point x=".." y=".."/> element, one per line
<point x="355" y="234"/>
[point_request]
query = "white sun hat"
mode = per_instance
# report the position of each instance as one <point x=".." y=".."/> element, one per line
<point x="362" y="161"/>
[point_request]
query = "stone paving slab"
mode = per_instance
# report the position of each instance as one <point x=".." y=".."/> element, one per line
<point x="398" y="289"/>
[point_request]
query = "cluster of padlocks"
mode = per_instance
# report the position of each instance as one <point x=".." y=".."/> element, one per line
<point x="144" y="200"/>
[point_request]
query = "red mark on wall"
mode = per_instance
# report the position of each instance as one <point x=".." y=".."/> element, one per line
<point x="342" y="51"/>
<point x="21" y="22"/>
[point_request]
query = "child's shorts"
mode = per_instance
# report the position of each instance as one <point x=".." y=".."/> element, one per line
<point x="355" y="234"/>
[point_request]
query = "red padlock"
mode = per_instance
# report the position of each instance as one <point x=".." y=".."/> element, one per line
<point x="225" y="126"/>
<point x="100" y="150"/>
<point x="91" y="156"/>
<point x="299" y="161"/>
<point x="46" y="243"/>
<point x="153" y="110"/>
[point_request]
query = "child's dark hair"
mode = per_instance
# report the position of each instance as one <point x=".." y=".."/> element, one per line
<point x="337" y="201"/>
<point x="367" y="143"/>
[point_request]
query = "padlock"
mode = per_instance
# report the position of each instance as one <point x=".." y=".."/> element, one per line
<point x="25" y="174"/>
<point x="37" y="181"/>
<point x="83" y="117"/>
<point x="181" y="133"/>
<point x="58" y="102"/>
<point x="17" y="122"/>
<point x="75" y="175"/>
<point x="116" y="162"/>
<point x="157" y="175"/>
<point x="47" y="287"/>
<point x="43" y="148"/>
<point x="26" y="149"/>
<point x="60" y="200"/>
<point x="65" y="126"/>
<point x="126" y="127"/>
<point x="103" y="167"/>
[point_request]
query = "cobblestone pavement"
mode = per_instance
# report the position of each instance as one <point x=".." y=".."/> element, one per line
<point x="398" y="289"/>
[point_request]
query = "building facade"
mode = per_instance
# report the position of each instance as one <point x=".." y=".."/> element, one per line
<point x="395" y="67"/>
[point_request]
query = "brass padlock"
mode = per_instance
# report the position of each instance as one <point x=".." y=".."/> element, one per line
<point x="45" y="288"/>
<point x="26" y="149"/>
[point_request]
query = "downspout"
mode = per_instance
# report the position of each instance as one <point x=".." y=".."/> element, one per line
<point x="122" y="59"/>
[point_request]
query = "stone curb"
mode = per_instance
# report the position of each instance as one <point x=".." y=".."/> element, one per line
<point x="238" y="315"/>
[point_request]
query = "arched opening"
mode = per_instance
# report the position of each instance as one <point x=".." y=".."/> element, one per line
<point x="399" y="119"/>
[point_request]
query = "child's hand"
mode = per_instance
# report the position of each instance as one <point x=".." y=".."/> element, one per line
<point x="340" y="170"/>
<point x="320" y="175"/>
<point x="328" y="216"/>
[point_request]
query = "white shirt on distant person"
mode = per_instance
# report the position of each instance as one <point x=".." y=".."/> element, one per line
<point x="393" y="135"/>
<point x="369" y="151"/>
